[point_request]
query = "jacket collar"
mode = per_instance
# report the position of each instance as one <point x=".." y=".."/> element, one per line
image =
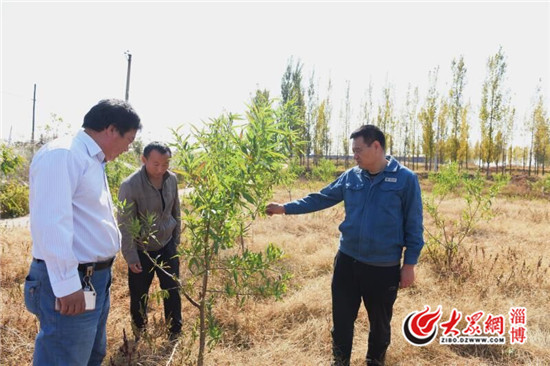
<point x="392" y="164"/>
<point x="144" y="175"/>
<point x="391" y="167"/>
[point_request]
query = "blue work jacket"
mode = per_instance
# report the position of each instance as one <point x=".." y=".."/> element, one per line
<point x="383" y="215"/>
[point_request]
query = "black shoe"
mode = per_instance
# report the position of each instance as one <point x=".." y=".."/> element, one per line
<point x="173" y="336"/>
<point x="374" y="362"/>
<point x="340" y="362"/>
<point x="138" y="333"/>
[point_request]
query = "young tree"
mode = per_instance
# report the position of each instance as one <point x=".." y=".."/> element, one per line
<point x="510" y="158"/>
<point x="541" y="133"/>
<point x="345" y="116"/>
<point x="292" y="92"/>
<point x="286" y="82"/>
<point x="525" y="155"/>
<point x="232" y="170"/>
<point x="410" y="124"/>
<point x="441" y="133"/>
<point x="493" y="105"/>
<point x="311" y="116"/>
<point x="520" y="154"/>
<point x="386" y="120"/>
<point x="261" y="96"/>
<point x="367" y="114"/>
<point x="53" y="129"/>
<point x="531" y="125"/>
<point x="456" y="105"/>
<point x="478" y="154"/>
<point x="328" y="117"/>
<point x="427" y="118"/>
<point x="498" y="148"/>
<point x="415" y="129"/>
<point x="445" y="240"/>
<point x="291" y="115"/>
<point x="508" y="129"/>
<point x="463" y="153"/>
<point x="321" y="132"/>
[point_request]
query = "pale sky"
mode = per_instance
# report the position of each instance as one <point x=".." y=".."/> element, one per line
<point x="193" y="61"/>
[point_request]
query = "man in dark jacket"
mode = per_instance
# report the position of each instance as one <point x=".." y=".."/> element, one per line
<point x="383" y="216"/>
<point x="151" y="198"/>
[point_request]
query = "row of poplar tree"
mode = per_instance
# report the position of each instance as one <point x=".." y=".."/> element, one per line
<point x="430" y="131"/>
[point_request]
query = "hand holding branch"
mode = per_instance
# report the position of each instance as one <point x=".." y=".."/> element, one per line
<point x="274" y="208"/>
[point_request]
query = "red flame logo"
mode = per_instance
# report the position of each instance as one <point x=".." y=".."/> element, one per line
<point x="420" y="328"/>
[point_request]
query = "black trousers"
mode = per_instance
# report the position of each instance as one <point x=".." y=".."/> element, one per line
<point x="139" y="284"/>
<point x="377" y="287"/>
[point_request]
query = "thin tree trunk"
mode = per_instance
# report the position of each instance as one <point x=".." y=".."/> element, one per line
<point x="543" y="159"/>
<point x="202" y="308"/>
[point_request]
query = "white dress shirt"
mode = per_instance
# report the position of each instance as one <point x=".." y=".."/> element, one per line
<point x="71" y="209"/>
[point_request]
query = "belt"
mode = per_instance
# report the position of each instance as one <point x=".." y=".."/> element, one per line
<point x="98" y="266"/>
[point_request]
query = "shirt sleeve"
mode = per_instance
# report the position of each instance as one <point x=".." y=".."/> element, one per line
<point x="412" y="214"/>
<point x="54" y="179"/>
<point x="125" y="217"/>
<point x="327" y="197"/>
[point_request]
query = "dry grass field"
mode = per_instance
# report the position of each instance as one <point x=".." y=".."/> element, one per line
<point x="505" y="263"/>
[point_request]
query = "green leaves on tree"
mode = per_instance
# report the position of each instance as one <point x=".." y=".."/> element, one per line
<point x="231" y="167"/>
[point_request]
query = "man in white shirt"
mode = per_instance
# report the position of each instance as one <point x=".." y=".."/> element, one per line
<point x="75" y="236"/>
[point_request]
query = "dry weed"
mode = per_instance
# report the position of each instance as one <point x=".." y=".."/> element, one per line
<point x="505" y="263"/>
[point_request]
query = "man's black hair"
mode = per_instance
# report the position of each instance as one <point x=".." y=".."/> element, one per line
<point x="370" y="133"/>
<point x="158" y="146"/>
<point x="114" y="112"/>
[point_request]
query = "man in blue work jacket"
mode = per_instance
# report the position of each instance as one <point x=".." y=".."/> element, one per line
<point x="383" y="215"/>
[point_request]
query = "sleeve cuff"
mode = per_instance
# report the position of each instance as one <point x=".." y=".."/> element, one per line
<point x="131" y="256"/>
<point x="410" y="259"/>
<point x="67" y="286"/>
<point x="290" y="209"/>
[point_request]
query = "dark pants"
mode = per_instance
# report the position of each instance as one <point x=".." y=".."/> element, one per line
<point x="139" y="284"/>
<point x="377" y="286"/>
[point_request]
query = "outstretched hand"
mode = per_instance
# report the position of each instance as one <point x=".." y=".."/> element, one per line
<point x="274" y="208"/>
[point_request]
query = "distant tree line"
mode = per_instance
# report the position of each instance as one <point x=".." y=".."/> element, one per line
<point x="436" y="127"/>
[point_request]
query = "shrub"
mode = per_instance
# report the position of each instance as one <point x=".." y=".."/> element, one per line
<point x="14" y="199"/>
<point x="14" y="195"/>
<point x="324" y="171"/>
<point x="290" y="174"/>
<point x="295" y="169"/>
<point x="10" y="160"/>
<point x="118" y="170"/>
<point x="543" y="186"/>
<point x="445" y="240"/>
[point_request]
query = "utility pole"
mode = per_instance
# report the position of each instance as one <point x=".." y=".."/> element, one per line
<point x="33" y="114"/>
<point x="129" y="57"/>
